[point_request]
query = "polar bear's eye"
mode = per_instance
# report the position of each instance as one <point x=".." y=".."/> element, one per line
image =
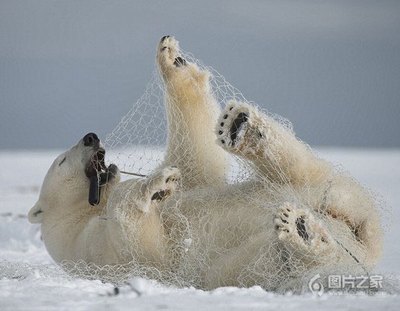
<point x="63" y="160"/>
<point x="164" y="48"/>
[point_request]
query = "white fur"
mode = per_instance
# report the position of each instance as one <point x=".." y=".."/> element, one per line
<point x="239" y="232"/>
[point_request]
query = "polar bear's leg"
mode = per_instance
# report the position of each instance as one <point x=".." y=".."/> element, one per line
<point x="191" y="112"/>
<point x="273" y="149"/>
<point x="302" y="235"/>
<point x="345" y="200"/>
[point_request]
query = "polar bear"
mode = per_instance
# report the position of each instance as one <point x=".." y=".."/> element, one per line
<point x="297" y="217"/>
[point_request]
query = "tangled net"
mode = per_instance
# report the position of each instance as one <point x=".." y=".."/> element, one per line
<point x="236" y="243"/>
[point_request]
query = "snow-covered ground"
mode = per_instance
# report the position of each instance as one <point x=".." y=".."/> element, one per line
<point x="30" y="280"/>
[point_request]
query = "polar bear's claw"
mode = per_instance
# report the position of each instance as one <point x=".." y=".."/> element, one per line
<point x="160" y="195"/>
<point x="179" y="61"/>
<point x="163" y="38"/>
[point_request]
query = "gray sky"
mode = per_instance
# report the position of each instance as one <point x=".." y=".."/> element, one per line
<point x="331" y="67"/>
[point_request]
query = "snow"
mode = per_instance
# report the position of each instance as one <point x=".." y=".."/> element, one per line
<point x="29" y="279"/>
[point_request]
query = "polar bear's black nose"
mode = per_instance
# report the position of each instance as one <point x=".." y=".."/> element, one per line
<point x="91" y="139"/>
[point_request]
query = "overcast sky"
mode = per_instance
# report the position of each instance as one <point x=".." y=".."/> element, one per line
<point x="70" y="67"/>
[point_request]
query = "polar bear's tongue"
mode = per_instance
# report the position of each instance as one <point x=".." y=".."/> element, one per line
<point x="94" y="186"/>
<point x="94" y="190"/>
<point x="93" y="171"/>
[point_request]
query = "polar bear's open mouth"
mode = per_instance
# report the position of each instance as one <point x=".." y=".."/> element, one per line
<point x="96" y="163"/>
<point x="99" y="174"/>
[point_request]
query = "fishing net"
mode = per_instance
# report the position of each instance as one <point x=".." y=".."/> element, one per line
<point x="252" y="205"/>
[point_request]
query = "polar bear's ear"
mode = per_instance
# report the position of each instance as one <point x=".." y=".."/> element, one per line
<point x="35" y="215"/>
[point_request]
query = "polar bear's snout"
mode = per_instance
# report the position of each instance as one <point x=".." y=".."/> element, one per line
<point x="91" y="139"/>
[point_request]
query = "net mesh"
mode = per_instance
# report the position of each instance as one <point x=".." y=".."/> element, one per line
<point x="250" y="205"/>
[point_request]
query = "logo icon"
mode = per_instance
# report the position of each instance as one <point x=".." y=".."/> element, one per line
<point x="315" y="285"/>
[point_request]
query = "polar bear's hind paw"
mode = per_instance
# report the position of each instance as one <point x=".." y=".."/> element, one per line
<point x="291" y="221"/>
<point x="300" y="230"/>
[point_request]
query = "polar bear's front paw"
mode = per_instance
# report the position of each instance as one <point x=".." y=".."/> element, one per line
<point x="165" y="183"/>
<point x="168" y="55"/>
<point x="238" y="129"/>
<point x="232" y="124"/>
<point x="299" y="230"/>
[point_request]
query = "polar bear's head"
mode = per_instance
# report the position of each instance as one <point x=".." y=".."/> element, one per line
<point x="75" y="178"/>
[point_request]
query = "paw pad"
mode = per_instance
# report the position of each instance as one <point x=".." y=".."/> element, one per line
<point x="292" y="221"/>
<point x="237" y="125"/>
<point x="232" y="122"/>
<point x="301" y="228"/>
